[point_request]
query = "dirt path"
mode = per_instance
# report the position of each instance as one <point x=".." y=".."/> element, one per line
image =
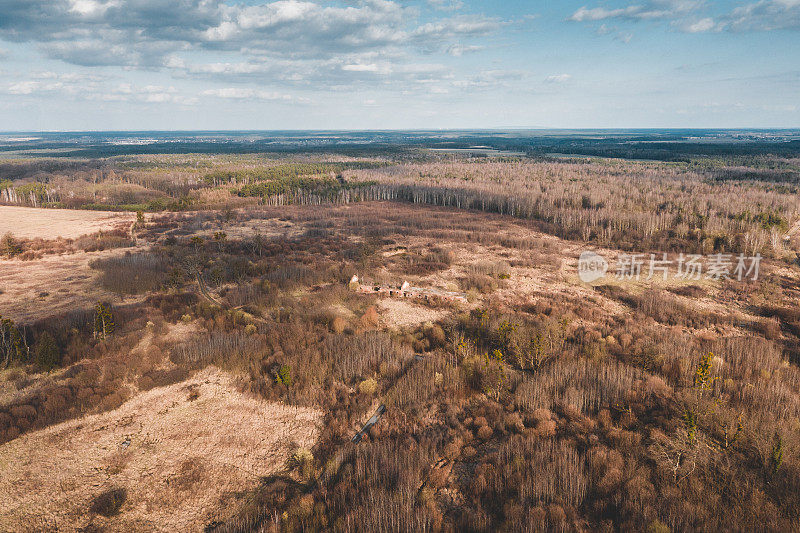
<point x="201" y="284"/>
<point x="371" y="422"/>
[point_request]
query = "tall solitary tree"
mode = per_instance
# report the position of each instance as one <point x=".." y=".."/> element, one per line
<point x="103" y="320"/>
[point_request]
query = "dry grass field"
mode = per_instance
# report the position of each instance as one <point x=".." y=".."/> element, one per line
<point x="181" y="452"/>
<point x="397" y="313"/>
<point x="160" y="379"/>
<point x="31" y="290"/>
<point x="35" y="223"/>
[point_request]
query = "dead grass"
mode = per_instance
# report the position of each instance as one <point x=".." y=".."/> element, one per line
<point x="577" y="364"/>
<point x="51" y="285"/>
<point x="179" y="452"/>
<point x="395" y="313"/>
<point x="33" y="223"/>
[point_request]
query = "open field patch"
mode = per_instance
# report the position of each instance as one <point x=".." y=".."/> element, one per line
<point x="178" y="454"/>
<point x="399" y="313"/>
<point x="35" y="223"/>
<point x="176" y="377"/>
<point x="52" y="284"/>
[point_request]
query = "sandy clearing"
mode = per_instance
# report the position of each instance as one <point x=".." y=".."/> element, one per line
<point x="267" y="227"/>
<point x="32" y="222"/>
<point x="544" y="273"/>
<point x="183" y="460"/>
<point x="396" y="313"/>
<point x="67" y="279"/>
<point x="174" y="334"/>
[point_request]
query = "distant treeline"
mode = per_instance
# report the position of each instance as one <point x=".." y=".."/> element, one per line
<point x="661" y="145"/>
<point x="669" y="151"/>
<point x="286" y="172"/>
<point x="14" y="170"/>
<point x="324" y="187"/>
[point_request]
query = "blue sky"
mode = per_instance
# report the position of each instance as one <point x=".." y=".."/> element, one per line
<point x="382" y="64"/>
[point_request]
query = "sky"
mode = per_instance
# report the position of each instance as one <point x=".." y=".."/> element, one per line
<point x="394" y="64"/>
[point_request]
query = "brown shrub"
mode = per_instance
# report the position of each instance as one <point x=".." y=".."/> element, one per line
<point x="132" y="273"/>
<point x="435" y="335"/>
<point x="110" y="402"/>
<point x="338" y="325"/>
<point x="479" y="282"/>
<point x="770" y="328"/>
<point x="23" y="412"/>
<point x="370" y="317"/>
<point x="162" y="378"/>
<point x="540" y="472"/>
<point x="109" y="502"/>
<point x="690" y="291"/>
<point x="586" y="385"/>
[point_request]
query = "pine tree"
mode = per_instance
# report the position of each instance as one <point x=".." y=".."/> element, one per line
<point x="701" y="382"/>
<point x="9" y="246"/>
<point x="47" y="353"/>
<point x="702" y="375"/>
<point x="284" y="375"/>
<point x="11" y="342"/>
<point x="103" y="320"/>
<point x="776" y="458"/>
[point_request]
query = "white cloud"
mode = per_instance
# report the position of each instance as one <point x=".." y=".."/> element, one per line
<point x="24" y="87"/>
<point x="475" y="25"/>
<point x="225" y="68"/>
<point x="458" y="50"/>
<point x="371" y="67"/>
<point x="148" y="94"/>
<point x="49" y="84"/>
<point x="585" y="14"/>
<point x="284" y="42"/>
<point x="446" y="5"/>
<point x="700" y="26"/>
<point x="489" y="79"/>
<point x="558" y="78"/>
<point x="90" y="7"/>
<point x="69" y="77"/>
<point x="765" y="15"/>
<point x="148" y="31"/>
<point x="338" y="73"/>
<point x="294" y="27"/>
<point x="652" y="10"/>
<point x="240" y="93"/>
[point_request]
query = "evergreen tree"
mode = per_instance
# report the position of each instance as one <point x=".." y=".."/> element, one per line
<point x="47" y="353"/>
<point x="11" y="342"/>
<point x="9" y="246"/>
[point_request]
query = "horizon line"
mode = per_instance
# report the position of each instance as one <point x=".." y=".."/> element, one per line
<point x="410" y="130"/>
